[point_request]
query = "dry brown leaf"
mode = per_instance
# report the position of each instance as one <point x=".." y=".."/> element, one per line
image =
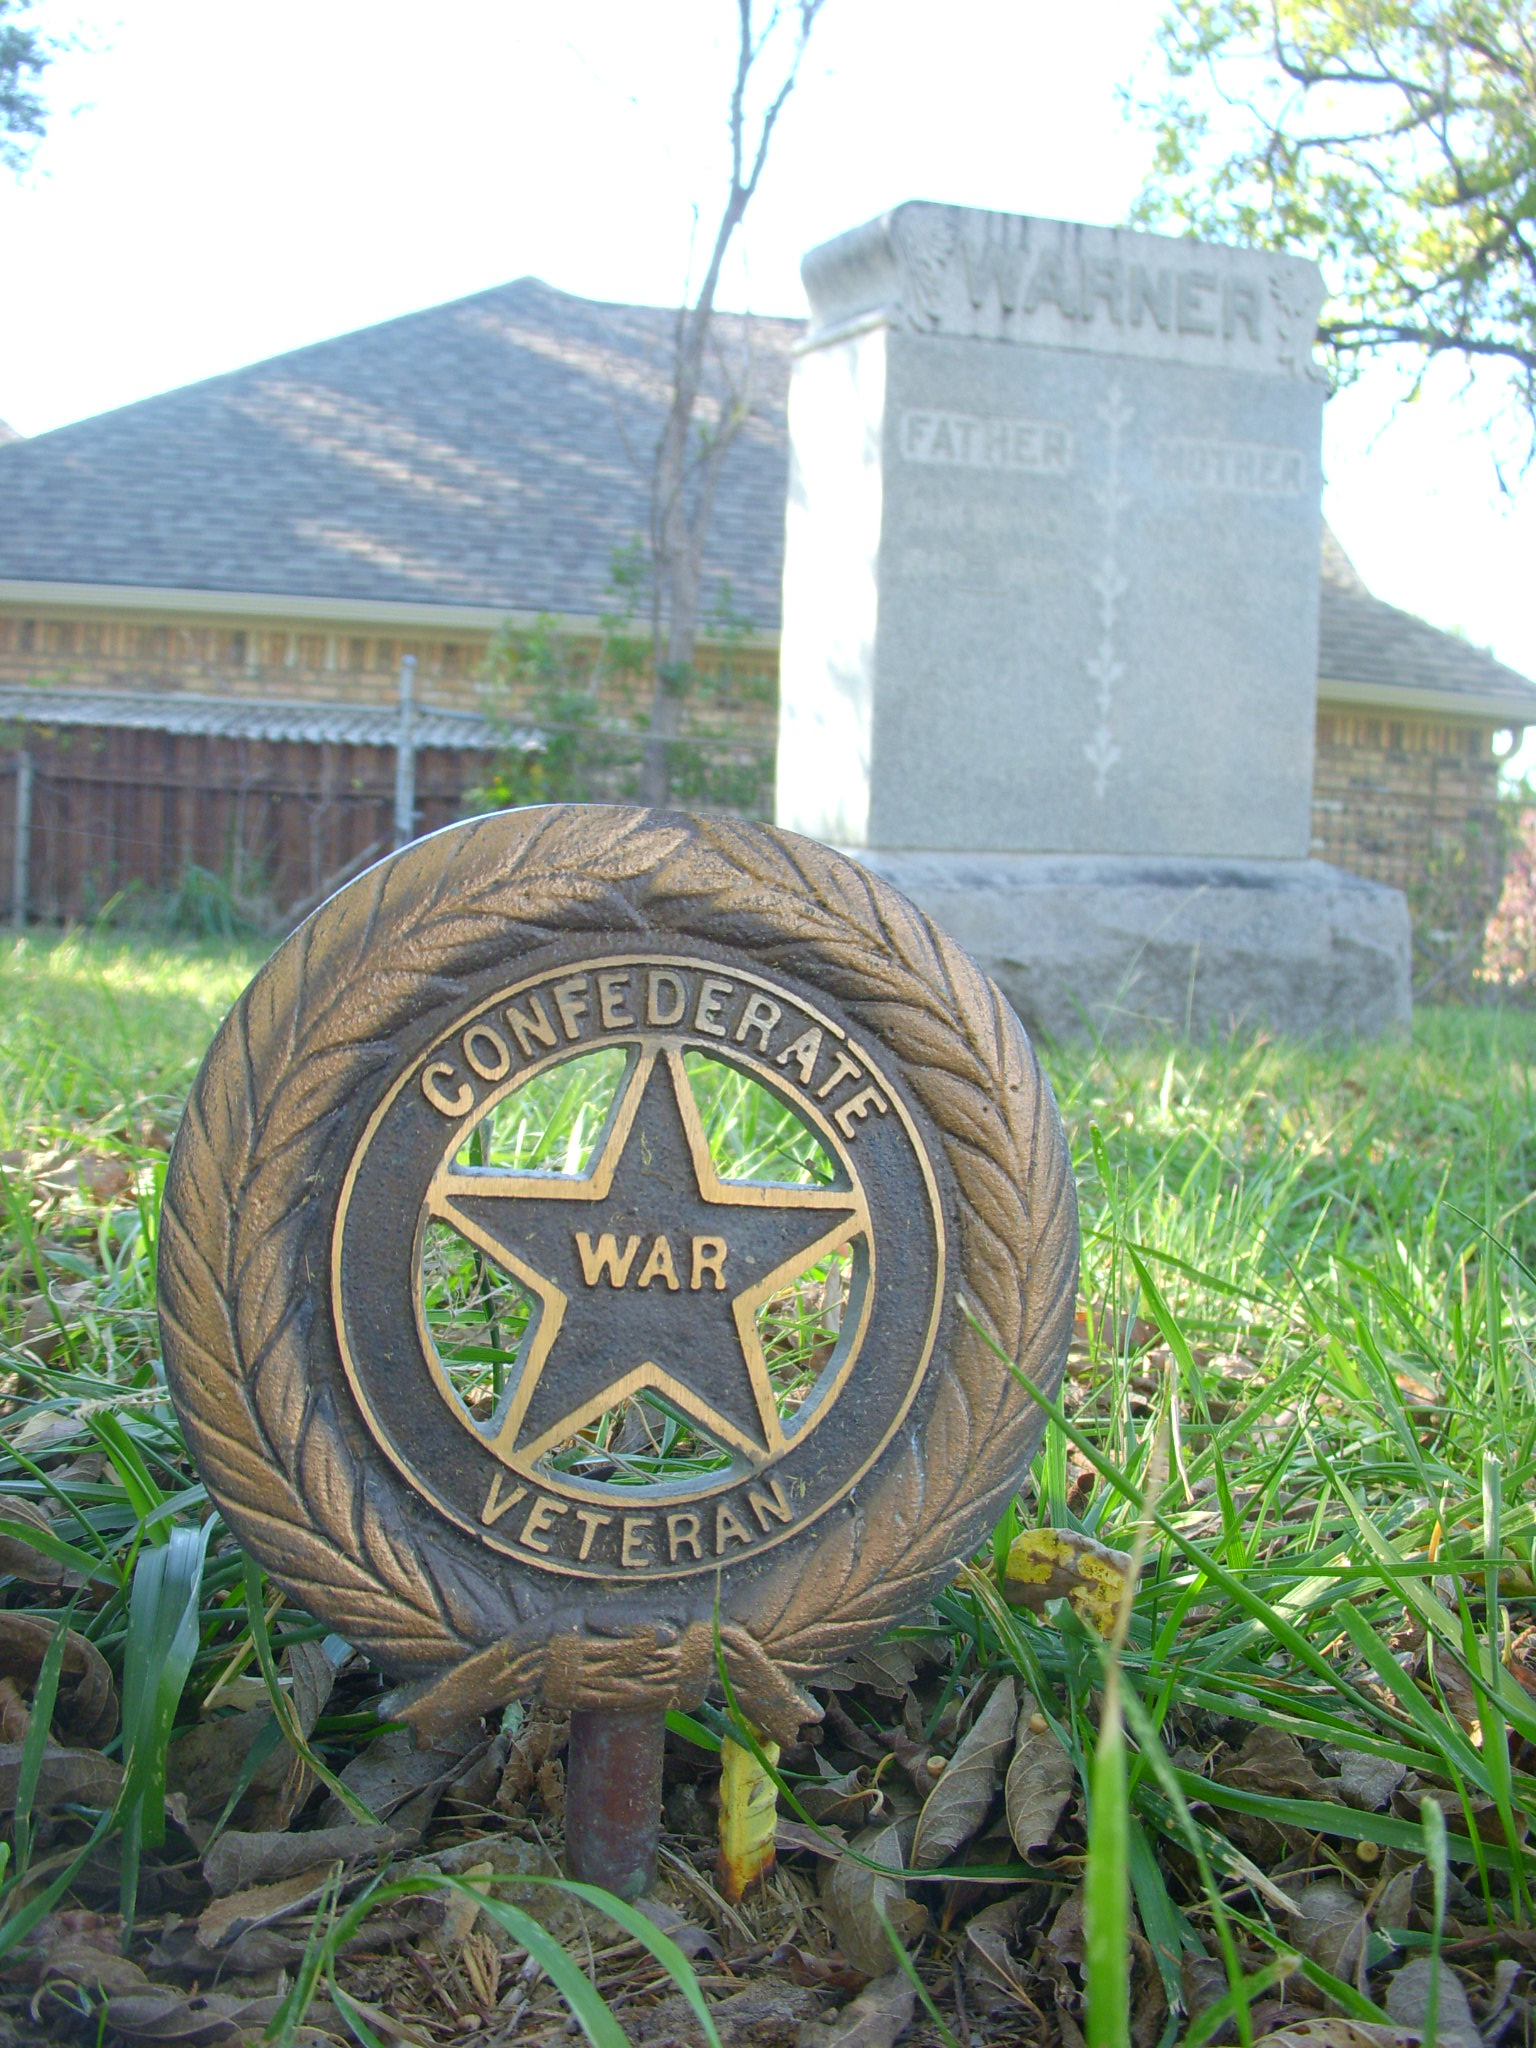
<point x="802" y="1967"/>
<point x="204" y="1763"/>
<point x="1366" y="1781"/>
<point x="1334" y="2031"/>
<point x="189" y="2019"/>
<point x="1274" y="1762"/>
<point x="855" y="1897"/>
<point x="1204" y="1980"/>
<point x="543" y="1736"/>
<point x="1066" y="1936"/>
<point x="80" y="1948"/>
<point x="459" y="1919"/>
<point x="513" y="1861"/>
<point x="86" y="1706"/>
<point x="82" y="1777"/>
<point x="1408" y="1799"/>
<point x="179" y="1951"/>
<point x="15" y="1713"/>
<point x="886" y="1668"/>
<point x="261" y="1905"/>
<point x="391" y="1771"/>
<point x="827" y="1839"/>
<point x="848" y="1798"/>
<point x="18" y="1557"/>
<point x="1330" y="1927"/>
<point x="1394" y="1902"/>
<point x="238" y="1859"/>
<point x="1407" y="2002"/>
<point x="42" y="1314"/>
<point x="1052" y="1564"/>
<point x="877" y="2018"/>
<point x="690" y="1937"/>
<point x="764" y="2015"/>
<point x="962" y="1798"/>
<point x="1041" y="1780"/>
<point x="103" y="1176"/>
<point x="1454" y="1679"/>
<point x="988" y="1934"/>
<point x="274" y="1799"/>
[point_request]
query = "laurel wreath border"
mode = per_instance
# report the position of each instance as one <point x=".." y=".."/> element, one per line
<point x="244" y="1316"/>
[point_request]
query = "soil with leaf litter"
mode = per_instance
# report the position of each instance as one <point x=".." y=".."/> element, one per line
<point x="1310" y="1411"/>
<point x="931" y="1758"/>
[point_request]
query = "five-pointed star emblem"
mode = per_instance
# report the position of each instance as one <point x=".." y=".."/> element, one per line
<point x="648" y="1271"/>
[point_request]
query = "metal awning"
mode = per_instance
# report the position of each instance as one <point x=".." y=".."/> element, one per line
<point x="254" y="718"/>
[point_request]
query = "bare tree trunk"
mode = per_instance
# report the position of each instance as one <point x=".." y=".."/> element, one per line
<point x="688" y="461"/>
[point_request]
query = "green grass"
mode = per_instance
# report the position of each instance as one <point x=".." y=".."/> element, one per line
<point x="105" y="1031"/>
<point x="1303" y="1381"/>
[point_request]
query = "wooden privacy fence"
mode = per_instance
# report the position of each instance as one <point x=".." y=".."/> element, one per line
<point x="88" y="812"/>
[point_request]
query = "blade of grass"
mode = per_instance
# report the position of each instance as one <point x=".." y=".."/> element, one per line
<point x="1250" y="1602"/>
<point x="39" y="1721"/>
<point x="1106" y="1911"/>
<point x="282" y="1706"/>
<point x="163" y="1634"/>
<point x="1437" y="1857"/>
<point x="908" y="1969"/>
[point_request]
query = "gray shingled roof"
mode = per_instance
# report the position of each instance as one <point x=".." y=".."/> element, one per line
<point x="489" y="452"/>
<point x="492" y="453"/>
<point x="1362" y="640"/>
<point x="8" y="433"/>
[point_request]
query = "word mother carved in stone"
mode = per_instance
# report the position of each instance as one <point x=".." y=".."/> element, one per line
<point x="595" y="1224"/>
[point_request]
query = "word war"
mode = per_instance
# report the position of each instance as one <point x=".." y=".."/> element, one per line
<point x="562" y="1269"/>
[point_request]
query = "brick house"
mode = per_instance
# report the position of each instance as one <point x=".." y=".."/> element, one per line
<point x="205" y="599"/>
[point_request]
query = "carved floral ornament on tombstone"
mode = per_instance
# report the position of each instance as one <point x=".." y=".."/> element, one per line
<point x="354" y="1225"/>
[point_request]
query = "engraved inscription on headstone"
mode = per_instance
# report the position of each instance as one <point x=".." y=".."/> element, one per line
<point x="1113" y="647"/>
<point x="493" y="1216"/>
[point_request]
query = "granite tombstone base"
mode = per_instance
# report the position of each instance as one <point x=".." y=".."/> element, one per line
<point x="1126" y="946"/>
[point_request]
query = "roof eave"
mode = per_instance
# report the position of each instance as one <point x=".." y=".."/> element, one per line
<point x="403" y="614"/>
<point x="1503" y="707"/>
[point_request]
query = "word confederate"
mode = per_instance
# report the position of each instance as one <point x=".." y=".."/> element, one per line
<point x="631" y="1000"/>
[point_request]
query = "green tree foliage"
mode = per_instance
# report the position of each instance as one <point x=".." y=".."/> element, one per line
<point x="1392" y="140"/>
<point x="24" y="55"/>
<point x="571" y="718"/>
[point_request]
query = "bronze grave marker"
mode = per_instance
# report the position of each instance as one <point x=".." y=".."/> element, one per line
<point x="572" y="1244"/>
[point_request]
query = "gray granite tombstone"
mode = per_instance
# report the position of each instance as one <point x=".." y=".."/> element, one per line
<point x="1050" y="616"/>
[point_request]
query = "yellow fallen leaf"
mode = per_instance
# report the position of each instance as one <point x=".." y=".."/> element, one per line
<point x="748" y="1798"/>
<point x="1052" y="1564"/>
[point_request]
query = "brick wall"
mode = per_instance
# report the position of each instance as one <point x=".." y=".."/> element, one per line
<point x="1413" y="801"/>
<point x="263" y="658"/>
<point x="1388" y="790"/>
<point x="251" y="658"/>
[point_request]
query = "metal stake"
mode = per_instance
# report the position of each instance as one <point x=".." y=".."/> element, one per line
<point x="613" y="1798"/>
<point x="405" y="753"/>
<point x="21" y="857"/>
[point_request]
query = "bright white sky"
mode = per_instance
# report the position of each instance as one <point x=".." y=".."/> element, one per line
<point x="224" y="182"/>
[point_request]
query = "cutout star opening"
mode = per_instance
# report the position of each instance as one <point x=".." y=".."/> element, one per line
<point x="648" y="1271"/>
